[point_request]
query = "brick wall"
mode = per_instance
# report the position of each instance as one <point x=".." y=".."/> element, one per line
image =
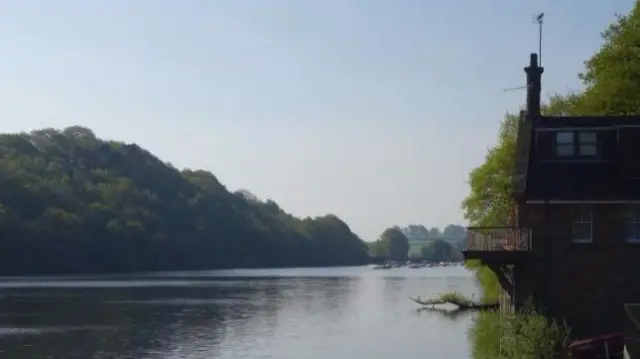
<point x="586" y="284"/>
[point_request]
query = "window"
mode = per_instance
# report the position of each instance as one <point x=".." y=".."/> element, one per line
<point x="582" y="224"/>
<point x="632" y="223"/>
<point x="564" y="144"/>
<point x="588" y="145"/>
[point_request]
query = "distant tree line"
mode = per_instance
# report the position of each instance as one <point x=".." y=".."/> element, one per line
<point x="420" y="232"/>
<point x="392" y="244"/>
<point x="73" y="203"/>
<point x="396" y="243"/>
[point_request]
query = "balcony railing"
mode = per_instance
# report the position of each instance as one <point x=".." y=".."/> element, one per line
<point x="498" y="239"/>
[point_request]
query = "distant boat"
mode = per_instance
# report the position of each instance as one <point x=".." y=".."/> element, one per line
<point x="415" y="265"/>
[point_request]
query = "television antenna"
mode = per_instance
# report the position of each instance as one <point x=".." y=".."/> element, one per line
<point x="510" y="89"/>
<point x="537" y="19"/>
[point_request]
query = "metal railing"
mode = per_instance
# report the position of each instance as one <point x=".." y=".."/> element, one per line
<point x="498" y="239"/>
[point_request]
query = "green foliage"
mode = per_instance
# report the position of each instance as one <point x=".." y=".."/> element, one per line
<point x="454" y="297"/>
<point x="489" y="202"/>
<point x="535" y="336"/>
<point x="612" y="75"/>
<point x="74" y="203"/>
<point x="392" y="244"/>
<point x="439" y="250"/>
<point x="416" y="231"/>
<point x="419" y="236"/>
<point x="488" y="282"/>
<point x="454" y="230"/>
<point x="538" y="337"/>
<point x="484" y="336"/>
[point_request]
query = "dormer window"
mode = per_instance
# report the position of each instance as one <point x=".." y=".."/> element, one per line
<point x="567" y="146"/>
<point x="587" y="143"/>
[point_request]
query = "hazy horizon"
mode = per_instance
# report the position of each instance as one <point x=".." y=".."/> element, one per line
<point x="371" y="110"/>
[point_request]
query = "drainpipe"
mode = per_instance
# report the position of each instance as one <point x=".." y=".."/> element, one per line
<point x="547" y="257"/>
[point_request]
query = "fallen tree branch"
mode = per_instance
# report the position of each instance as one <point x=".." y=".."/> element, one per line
<point x="459" y="301"/>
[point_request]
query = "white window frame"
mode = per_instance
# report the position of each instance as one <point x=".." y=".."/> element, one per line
<point x="584" y="218"/>
<point x="632" y="220"/>
<point x="565" y="139"/>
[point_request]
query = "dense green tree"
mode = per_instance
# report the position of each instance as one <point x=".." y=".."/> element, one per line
<point x="71" y="202"/>
<point x="489" y="201"/>
<point x="454" y="231"/>
<point x="416" y="231"/>
<point x="612" y="75"/>
<point x="392" y="244"/>
<point x="439" y="250"/>
<point x="376" y="249"/>
<point x="419" y="235"/>
<point x="397" y="244"/>
<point x="434" y="232"/>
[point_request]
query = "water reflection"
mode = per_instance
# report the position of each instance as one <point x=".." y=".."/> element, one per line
<point x="312" y="313"/>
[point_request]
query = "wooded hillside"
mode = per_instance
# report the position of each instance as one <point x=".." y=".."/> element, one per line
<point x="73" y="203"/>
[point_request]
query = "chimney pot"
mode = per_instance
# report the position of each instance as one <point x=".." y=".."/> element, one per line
<point x="533" y="60"/>
<point x="534" y="74"/>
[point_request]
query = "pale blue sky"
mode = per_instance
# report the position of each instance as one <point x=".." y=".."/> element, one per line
<point x="374" y="110"/>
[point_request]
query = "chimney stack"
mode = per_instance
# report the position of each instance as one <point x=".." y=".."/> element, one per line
<point x="534" y="86"/>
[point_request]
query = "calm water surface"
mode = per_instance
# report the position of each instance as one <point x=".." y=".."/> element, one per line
<point x="334" y="313"/>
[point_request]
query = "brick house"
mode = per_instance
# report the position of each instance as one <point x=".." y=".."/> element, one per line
<point x="573" y="246"/>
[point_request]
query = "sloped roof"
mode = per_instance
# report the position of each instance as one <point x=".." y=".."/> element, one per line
<point x="586" y="121"/>
<point x="579" y="181"/>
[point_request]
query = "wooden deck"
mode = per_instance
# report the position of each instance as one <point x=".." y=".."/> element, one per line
<point x="498" y="245"/>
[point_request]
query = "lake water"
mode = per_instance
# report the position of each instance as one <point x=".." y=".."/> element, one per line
<point x="318" y="313"/>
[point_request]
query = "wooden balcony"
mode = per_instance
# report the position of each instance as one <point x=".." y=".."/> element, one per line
<point x="498" y="245"/>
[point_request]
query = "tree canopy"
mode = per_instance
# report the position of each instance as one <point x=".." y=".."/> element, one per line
<point x="419" y="236"/>
<point x="439" y="250"/>
<point x="392" y="244"/>
<point x="612" y="76"/>
<point x="489" y="202"/>
<point x="74" y="203"/>
<point x="420" y="232"/>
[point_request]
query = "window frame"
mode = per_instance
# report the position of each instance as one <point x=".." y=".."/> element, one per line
<point x="632" y="219"/>
<point x="566" y="143"/>
<point x="576" y="144"/>
<point x="581" y="221"/>
<point x="587" y="143"/>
